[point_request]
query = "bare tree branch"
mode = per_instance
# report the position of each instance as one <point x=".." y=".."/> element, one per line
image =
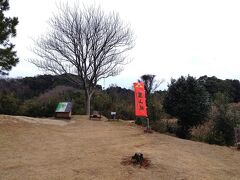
<point x="150" y="83"/>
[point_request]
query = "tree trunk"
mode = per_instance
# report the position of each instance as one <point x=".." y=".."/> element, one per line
<point x="88" y="104"/>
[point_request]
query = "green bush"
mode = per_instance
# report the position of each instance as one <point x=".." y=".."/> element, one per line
<point x="223" y="132"/>
<point x="224" y="129"/>
<point x="125" y="111"/>
<point x="141" y="121"/>
<point x="153" y="111"/>
<point x="165" y="126"/>
<point x="225" y="119"/>
<point x="101" y="102"/>
<point x="36" y="108"/>
<point x="9" y="104"/>
<point x="78" y="100"/>
<point x="159" y="126"/>
<point x="214" y="138"/>
<point x="45" y="104"/>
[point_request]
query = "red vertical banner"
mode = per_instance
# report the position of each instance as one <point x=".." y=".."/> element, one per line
<point x="140" y="100"/>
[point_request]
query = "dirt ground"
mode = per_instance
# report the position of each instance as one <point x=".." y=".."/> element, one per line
<point x="87" y="149"/>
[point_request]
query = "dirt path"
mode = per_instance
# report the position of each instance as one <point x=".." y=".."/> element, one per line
<point x="87" y="149"/>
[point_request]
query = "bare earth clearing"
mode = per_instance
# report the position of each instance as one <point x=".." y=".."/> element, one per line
<point x="83" y="149"/>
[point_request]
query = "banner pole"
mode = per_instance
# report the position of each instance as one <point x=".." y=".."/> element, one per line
<point x="148" y="127"/>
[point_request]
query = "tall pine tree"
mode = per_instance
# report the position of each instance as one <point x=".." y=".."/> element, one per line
<point x="8" y="57"/>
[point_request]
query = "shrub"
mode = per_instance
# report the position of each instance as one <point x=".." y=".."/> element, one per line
<point x="141" y="121"/>
<point x="125" y="111"/>
<point x="223" y="129"/>
<point x="36" y="108"/>
<point x="202" y="132"/>
<point x="78" y="100"/>
<point x="159" y="126"/>
<point x="9" y="104"/>
<point x="45" y="104"/>
<point x="101" y="102"/>
<point x="165" y="126"/>
<point x="154" y="110"/>
<point x="225" y="120"/>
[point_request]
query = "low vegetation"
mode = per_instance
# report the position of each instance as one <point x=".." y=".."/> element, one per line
<point x="207" y="108"/>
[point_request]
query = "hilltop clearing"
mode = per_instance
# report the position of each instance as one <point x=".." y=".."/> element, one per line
<point x="86" y="149"/>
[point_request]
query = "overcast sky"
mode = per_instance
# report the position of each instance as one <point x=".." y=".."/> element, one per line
<point x="173" y="37"/>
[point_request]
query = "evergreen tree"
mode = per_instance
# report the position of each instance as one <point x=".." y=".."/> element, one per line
<point x="187" y="100"/>
<point x="8" y="57"/>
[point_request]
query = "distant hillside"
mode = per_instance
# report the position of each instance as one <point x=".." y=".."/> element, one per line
<point x="28" y="87"/>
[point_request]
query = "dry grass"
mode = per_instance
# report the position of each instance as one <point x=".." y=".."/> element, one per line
<point x="88" y="149"/>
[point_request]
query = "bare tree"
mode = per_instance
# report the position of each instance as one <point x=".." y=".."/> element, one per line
<point x="86" y="42"/>
<point x="150" y="83"/>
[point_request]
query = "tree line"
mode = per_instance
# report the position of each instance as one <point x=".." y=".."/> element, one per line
<point x="193" y="102"/>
